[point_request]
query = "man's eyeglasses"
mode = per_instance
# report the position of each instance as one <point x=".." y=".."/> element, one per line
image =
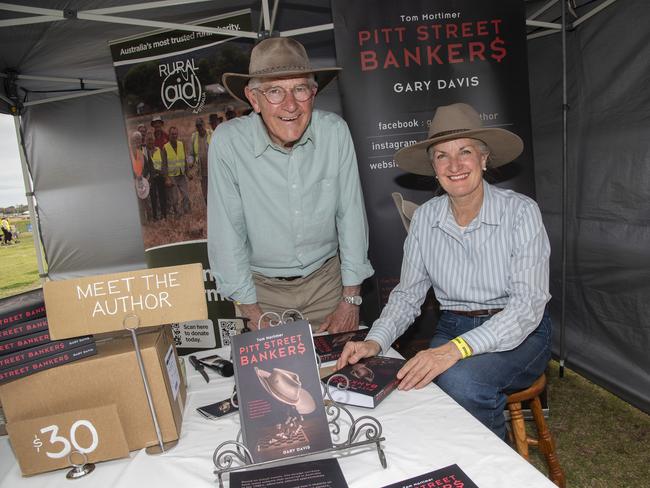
<point x="277" y="94"/>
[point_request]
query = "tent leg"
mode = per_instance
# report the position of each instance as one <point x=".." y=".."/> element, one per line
<point x="29" y="193"/>
<point x="565" y="109"/>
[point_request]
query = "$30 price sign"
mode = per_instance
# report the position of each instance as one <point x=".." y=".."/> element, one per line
<point x="45" y="443"/>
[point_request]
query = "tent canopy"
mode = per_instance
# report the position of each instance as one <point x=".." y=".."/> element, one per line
<point x="71" y="146"/>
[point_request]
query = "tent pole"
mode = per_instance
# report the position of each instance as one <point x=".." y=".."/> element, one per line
<point x="164" y="25"/>
<point x="29" y="193"/>
<point x="565" y="109"/>
<point x="593" y="12"/>
<point x="56" y="79"/>
<point x="307" y="30"/>
<point x="83" y="93"/>
<point x="542" y="10"/>
<point x="266" y="15"/>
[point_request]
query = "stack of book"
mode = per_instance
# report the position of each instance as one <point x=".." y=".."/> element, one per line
<point x="25" y="344"/>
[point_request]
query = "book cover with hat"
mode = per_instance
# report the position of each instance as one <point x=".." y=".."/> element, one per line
<point x="368" y="382"/>
<point x="330" y="346"/>
<point x="278" y="391"/>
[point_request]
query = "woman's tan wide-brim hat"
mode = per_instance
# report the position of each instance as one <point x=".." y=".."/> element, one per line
<point x="276" y="57"/>
<point x="459" y="121"/>
<point x="285" y="387"/>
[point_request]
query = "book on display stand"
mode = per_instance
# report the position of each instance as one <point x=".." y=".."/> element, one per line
<point x="278" y="392"/>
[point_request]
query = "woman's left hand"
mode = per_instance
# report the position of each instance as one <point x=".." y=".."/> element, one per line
<point x="422" y="368"/>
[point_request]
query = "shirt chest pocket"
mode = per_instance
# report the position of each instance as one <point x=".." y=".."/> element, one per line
<point x="324" y="198"/>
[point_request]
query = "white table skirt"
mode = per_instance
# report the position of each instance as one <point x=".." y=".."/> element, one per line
<point x="424" y="430"/>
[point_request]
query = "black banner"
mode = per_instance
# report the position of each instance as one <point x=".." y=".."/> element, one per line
<point x="400" y="61"/>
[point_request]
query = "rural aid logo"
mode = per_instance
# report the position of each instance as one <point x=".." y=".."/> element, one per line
<point x="180" y="83"/>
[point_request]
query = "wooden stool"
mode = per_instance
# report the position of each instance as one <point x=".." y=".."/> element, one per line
<point x="544" y="439"/>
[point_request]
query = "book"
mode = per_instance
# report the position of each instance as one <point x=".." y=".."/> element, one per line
<point x="369" y="381"/>
<point x="20" y="308"/>
<point x="23" y="342"/>
<point x="330" y="346"/>
<point x="278" y="390"/>
<point x="47" y="349"/>
<point x="324" y="473"/>
<point x="52" y="361"/>
<point x="23" y="328"/>
<point x="451" y="476"/>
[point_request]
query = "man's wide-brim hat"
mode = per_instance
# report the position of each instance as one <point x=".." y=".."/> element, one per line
<point x="459" y="121"/>
<point x="285" y="387"/>
<point x="277" y="57"/>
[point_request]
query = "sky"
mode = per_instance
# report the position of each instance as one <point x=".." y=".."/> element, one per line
<point x="12" y="190"/>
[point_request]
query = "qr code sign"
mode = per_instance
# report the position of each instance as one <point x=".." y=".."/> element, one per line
<point x="227" y="328"/>
<point x="176" y="335"/>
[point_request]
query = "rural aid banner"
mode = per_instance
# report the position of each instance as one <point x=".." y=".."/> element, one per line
<point x="400" y="61"/>
<point x="172" y="100"/>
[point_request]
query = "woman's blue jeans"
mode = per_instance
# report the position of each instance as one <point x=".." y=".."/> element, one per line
<point x="481" y="383"/>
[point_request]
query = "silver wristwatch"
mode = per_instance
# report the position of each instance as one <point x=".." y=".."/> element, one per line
<point x="353" y="300"/>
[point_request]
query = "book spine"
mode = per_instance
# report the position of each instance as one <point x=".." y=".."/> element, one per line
<point x="329" y="356"/>
<point x="385" y="391"/>
<point x="24" y="328"/>
<point x="53" y="361"/>
<point x="21" y="308"/>
<point x="23" y="342"/>
<point x="47" y="349"/>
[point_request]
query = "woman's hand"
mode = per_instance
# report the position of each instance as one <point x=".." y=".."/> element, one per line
<point x="422" y="368"/>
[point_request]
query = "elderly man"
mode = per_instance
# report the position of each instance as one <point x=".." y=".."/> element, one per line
<point x="286" y="224"/>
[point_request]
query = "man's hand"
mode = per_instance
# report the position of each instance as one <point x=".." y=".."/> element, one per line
<point x="253" y="312"/>
<point x="355" y="351"/>
<point x="345" y="317"/>
<point x="421" y="369"/>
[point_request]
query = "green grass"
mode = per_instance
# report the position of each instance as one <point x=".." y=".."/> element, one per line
<point x="19" y="270"/>
<point x="601" y="440"/>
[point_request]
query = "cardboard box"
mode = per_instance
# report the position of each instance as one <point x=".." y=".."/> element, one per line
<point x="112" y="377"/>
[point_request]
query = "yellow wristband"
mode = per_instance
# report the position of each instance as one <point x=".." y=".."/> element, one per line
<point x="463" y="347"/>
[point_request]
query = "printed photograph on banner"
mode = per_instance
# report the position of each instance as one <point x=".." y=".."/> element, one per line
<point x="172" y="101"/>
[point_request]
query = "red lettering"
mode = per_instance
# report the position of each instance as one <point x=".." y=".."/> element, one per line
<point x="476" y="51"/>
<point x="481" y="28"/>
<point x="368" y="60"/>
<point x="453" y="53"/>
<point x="422" y="33"/>
<point x="451" y="30"/>
<point x="410" y="56"/>
<point x="390" y="60"/>
<point x="432" y="55"/>
<point x="363" y="37"/>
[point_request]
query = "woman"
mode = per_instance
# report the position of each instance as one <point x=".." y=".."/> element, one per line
<point x="485" y="252"/>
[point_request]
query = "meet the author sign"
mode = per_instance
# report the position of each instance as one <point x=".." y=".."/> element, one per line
<point x="108" y="303"/>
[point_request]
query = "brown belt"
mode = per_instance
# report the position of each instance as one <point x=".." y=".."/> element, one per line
<point x="286" y="278"/>
<point x="292" y="278"/>
<point x="485" y="312"/>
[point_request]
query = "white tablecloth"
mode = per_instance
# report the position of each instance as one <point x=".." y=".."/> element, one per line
<point x="424" y="430"/>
